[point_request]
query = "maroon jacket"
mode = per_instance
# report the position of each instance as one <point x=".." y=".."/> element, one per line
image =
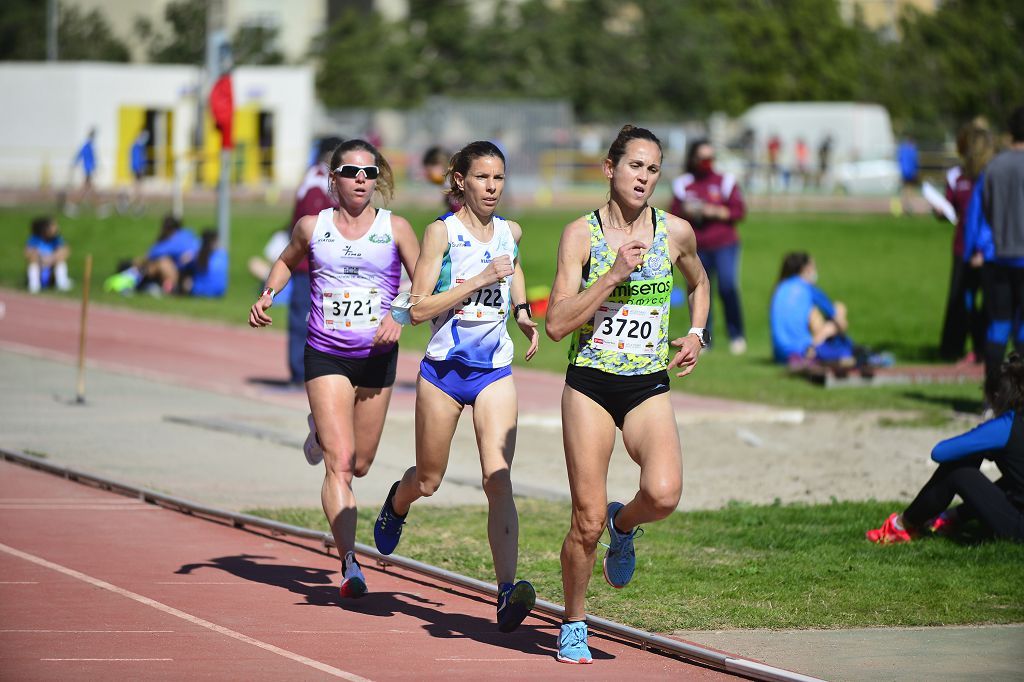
<point x="313" y="196"/>
<point x="721" y="190"/>
<point x="959" y="188"/>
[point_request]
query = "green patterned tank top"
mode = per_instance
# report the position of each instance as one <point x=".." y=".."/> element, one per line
<point x="628" y="334"/>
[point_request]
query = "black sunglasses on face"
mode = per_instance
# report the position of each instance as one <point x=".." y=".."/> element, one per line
<point x="349" y="170"/>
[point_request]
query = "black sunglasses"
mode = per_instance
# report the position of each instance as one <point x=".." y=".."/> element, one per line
<point x="349" y="170"/>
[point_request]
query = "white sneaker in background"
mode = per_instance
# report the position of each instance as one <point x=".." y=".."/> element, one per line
<point x="311" y="448"/>
<point x="738" y="346"/>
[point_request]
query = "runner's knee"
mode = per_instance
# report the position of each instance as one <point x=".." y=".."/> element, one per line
<point x="427" y="485"/>
<point x="662" y="498"/>
<point x="497" y="484"/>
<point x="589" y="524"/>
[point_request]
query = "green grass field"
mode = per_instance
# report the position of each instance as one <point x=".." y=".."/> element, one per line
<point x="744" y="566"/>
<point x="891" y="272"/>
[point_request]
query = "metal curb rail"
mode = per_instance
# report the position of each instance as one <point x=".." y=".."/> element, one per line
<point x="646" y="640"/>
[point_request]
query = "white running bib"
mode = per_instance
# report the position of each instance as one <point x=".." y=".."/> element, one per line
<point x="483" y="305"/>
<point x="351" y="308"/>
<point x="627" y="328"/>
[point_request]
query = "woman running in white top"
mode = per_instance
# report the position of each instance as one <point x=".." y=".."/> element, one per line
<point x="468" y="283"/>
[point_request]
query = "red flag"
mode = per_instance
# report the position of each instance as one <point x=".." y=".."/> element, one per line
<point x="222" y="106"/>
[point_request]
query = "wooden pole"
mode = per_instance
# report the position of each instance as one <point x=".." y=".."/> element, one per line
<point x="80" y="397"/>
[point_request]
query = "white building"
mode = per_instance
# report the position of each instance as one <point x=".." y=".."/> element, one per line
<point x="50" y="107"/>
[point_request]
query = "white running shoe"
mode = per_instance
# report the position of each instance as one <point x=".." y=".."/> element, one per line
<point x="353" y="584"/>
<point x="738" y="346"/>
<point x="311" y="448"/>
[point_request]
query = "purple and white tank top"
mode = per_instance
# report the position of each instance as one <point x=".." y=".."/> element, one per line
<point x="352" y="283"/>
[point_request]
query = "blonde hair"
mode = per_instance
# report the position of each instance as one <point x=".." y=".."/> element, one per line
<point x="385" y="181"/>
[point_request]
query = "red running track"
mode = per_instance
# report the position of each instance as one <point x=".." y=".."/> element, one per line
<point x="101" y="586"/>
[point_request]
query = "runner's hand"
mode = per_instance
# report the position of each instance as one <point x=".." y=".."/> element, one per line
<point x="258" y="313"/>
<point x="388" y="332"/>
<point x="529" y="329"/>
<point x="686" y="358"/>
<point x="497" y="269"/>
<point x="630" y="256"/>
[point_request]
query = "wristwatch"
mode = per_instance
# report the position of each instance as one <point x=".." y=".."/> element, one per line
<point x="522" y="306"/>
<point x="702" y="335"/>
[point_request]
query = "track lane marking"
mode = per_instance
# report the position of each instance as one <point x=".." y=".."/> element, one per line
<point x="188" y="617"/>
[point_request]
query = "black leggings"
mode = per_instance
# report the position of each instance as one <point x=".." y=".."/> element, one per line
<point x="982" y="498"/>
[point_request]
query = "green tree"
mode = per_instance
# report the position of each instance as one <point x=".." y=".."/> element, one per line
<point x="256" y="44"/>
<point x="186" y="42"/>
<point x="80" y="35"/>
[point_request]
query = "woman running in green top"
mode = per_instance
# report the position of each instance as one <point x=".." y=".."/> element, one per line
<point x="612" y="292"/>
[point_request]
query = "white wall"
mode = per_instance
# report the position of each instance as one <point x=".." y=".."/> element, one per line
<point x="49" y="108"/>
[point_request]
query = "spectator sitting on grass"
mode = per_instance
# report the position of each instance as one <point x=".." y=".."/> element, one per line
<point x="47" y="256"/>
<point x="805" y="323"/>
<point x="174" y="249"/>
<point x="207" y="274"/>
<point x="998" y="505"/>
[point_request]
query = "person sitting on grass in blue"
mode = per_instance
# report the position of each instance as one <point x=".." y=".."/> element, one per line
<point x="47" y="255"/>
<point x="174" y="249"/>
<point x="805" y="323"/>
<point x="207" y="275"/>
<point x="998" y="505"/>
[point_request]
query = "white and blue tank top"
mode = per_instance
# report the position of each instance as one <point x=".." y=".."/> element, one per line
<point x="474" y="332"/>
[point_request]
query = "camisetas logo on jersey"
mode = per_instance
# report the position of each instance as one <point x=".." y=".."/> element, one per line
<point x="630" y="288"/>
<point x="349" y="250"/>
<point x="380" y="238"/>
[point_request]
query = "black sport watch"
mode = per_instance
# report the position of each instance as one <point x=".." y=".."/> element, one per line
<point x="522" y="306"/>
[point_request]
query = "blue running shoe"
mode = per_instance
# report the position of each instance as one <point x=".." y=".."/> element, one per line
<point x="514" y="603"/>
<point x="572" y="643"/>
<point x="387" y="531"/>
<point x="620" y="559"/>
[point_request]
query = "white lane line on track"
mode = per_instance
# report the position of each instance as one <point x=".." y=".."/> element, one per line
<point x="170" y="610"/>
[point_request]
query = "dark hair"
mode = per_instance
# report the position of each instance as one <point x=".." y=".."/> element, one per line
<point x="792" y="263"/>
<point x="1006" y="392"/>
<point x="386" y="179"/>
<point x="40" y="224"/>
<point x="209" y="237"/>
<point x="326" y="146"/>
<point x="627" y="134"/>
<point x="434" y="156"/>
<point x="169" y="226"/>
<point x="1016" y="124"/>
<point x="463" y="159"/>
<point x="690" y="165"/>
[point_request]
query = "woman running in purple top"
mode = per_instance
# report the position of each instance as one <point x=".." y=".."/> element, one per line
<point x="355" y="256"/>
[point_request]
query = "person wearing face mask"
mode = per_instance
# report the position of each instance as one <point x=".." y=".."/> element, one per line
<point x="805" y="323"/>
<point x="713" y="204"/>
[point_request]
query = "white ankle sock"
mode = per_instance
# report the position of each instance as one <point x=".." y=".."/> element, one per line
<point x="897" y="523"/>
<point x="60" y="273"/>
<point x="34" y="283"/>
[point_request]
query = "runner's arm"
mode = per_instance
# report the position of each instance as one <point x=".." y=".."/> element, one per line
<point x="428" y="305"/>
<point x="569" y="308"/>
<point x="281" y="270"/>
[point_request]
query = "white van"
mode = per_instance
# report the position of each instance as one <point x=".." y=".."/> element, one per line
<point x="863" y="148"/>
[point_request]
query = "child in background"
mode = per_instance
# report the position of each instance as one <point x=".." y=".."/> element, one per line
<point x="47" y="255"/>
